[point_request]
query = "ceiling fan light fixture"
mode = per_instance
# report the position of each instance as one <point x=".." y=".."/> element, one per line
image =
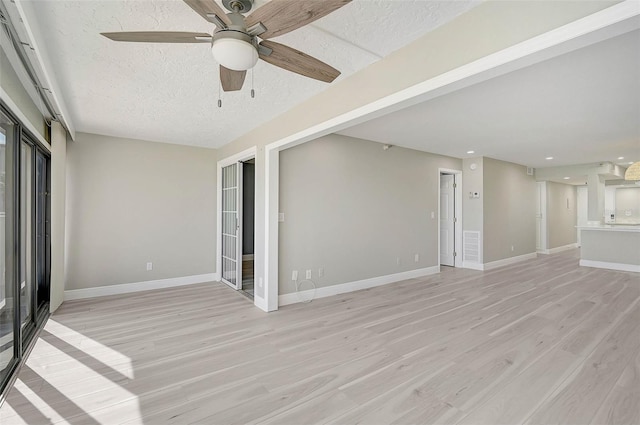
<point x="234" y="52"/>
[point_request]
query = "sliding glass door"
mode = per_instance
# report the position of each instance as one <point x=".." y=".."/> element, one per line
<point x="43" y="247"/>
<point x="25" y="249"/>
<point x="7" y="288"/>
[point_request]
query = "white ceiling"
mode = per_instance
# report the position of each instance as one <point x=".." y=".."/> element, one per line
<point x="581" y="107"/>
<point x="168" y="93"/>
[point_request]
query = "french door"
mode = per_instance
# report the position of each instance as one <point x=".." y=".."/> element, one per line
<point x="231" y="231"/>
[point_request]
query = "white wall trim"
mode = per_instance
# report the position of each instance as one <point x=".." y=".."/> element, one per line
<point x="511" y="58"/>
<point x="508" y="261"/>
<point x="125" y="288"/>
<point x="558" y="249"/>
<point x="611" y="266"/>
<point x="472" y="266"/>
<point x="261" y="303"/>
<point x="358" y="285"/>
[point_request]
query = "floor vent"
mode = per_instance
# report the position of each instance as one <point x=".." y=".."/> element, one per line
<point x="471" y="243"/>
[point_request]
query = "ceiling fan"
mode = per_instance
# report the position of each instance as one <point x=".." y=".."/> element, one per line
<point x="235" y="44"/>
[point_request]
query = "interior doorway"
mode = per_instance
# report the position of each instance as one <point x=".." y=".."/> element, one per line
<point x="237" y="223"/>
<point x="450" y="218"/>
<point x="248" y="224"/>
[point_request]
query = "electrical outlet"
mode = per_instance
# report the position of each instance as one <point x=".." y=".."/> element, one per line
<point x="321" y="272"/>
<point x="416" y="258"/>
<point x="398" y="261"/>
<point x="308" y="276"/>
<point x="294" y="275"/>
<point x="149" y="266"/>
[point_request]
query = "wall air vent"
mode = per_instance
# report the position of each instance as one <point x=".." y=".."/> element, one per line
<point x="530" y="171"/>
<point x="471" y="245"/>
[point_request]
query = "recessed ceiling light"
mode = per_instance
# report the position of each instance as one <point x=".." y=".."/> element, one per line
<point x="470" y="152"/>
<point x="549" y="158"/>
<point x="566" y="178"/>
<point x="620" y="157"/>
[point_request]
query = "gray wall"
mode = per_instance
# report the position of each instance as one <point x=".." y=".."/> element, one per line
<point x="353" y="209"/>
<point x="472" y="208"/>
<point x="509" y="210"/>
<point x="11" y="84"/>
<point x="130" y="202"/>
<point x="562" y="215"/>
<point x="628" y="205"/>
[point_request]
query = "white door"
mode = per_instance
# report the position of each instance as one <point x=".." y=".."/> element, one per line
<point x="447" y="220"/>
<point x="231" y="219"/>
<point x="539" y="212"/>
<point x="582" y="208"/>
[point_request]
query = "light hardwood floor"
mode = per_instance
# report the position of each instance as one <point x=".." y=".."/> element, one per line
<point x="540" y="342"/>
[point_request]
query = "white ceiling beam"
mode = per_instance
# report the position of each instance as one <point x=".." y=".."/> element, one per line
<point x="23" y="22"/>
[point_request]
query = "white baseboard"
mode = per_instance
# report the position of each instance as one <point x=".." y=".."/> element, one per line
<point x="125" y="288"/>
<point x="558" y="249"/>
<point x="612" y="266"/>
<point x="261" y="303"/>
<point x="508" y="261"/>
<point x="328" y="291"/>
<point x="472" y="266"/>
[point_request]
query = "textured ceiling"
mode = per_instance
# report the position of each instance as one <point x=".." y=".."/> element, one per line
<point x="168" y="93"/>
<point x="581" y="107"/>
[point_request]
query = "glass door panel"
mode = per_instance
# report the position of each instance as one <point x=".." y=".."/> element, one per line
<point x="7" y="289"/>
<point x="26" y="236"/>
<point x="231" y="260"/>
<point x="42" y="231"/>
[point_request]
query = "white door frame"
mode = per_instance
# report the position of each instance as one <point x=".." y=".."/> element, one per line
<point x="457" y="261"/>
<point x="542" y="220"/>
<point x="239" y="157"/>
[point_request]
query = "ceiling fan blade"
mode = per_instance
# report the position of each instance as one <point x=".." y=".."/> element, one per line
<point x="159" y="37"/>
<point x="208" y="7"/>
<point x="283" y="16"/>
<point x="231" y="80"/>
<point x="295" y="61"/>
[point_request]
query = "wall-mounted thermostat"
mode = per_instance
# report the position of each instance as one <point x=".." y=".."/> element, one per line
<point x="474" y="195"/>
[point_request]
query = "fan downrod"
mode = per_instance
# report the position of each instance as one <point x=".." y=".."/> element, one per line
<point x="240" y="6"/>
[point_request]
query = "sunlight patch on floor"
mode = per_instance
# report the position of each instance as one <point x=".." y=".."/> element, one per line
<point x="110" y="357"/>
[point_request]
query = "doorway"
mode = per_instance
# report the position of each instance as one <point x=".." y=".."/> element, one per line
<point x="236" y="223"/>
<point x="248" y="191"/>
<point x="450" y="218"/>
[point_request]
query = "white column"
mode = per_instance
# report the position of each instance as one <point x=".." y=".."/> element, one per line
<point x="595" y="199"/>
<point x="58" y="209"/>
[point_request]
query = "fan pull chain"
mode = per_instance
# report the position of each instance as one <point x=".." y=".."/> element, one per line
<point x="219" y="94"/>
<point x="253" y="92"/>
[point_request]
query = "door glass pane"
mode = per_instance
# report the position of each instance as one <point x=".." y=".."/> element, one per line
<point x="7" y="293"/>
<point x="230" y="225"/>
<point x="42" y="231"/>
<point x="26" y="207"/>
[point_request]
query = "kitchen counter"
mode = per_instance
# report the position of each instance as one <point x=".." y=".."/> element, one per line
<point x="610" y="246"/>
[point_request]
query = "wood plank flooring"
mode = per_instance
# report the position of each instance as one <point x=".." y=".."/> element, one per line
<point x="539" y="342"/>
